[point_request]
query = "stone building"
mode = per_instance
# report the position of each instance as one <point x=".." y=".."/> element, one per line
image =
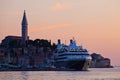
<point x="18" y="39"/>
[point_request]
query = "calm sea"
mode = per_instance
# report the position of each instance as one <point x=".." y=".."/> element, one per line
<point x="92" y="74"/>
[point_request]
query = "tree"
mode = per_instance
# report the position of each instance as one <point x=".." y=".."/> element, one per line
<point x="37" y="42"/>
<point x="45" y="43"/>
<point x="54" y="46"/>
<point x="30" y="42"/>
<point x="42" y="43"/>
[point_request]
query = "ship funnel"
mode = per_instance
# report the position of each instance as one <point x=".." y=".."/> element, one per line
<point x="71" y="41"/>
<point x="59" y="42"/>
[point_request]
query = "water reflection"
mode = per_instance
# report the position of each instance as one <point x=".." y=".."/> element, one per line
<point x="24" y="75"/>
<point x="7" y="76"/>
<point x="92" y="74"/>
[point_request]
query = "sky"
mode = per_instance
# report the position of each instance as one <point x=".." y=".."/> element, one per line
<point x="95" y="24"/>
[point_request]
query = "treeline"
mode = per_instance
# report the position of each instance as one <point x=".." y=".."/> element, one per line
<point x="41" y="43"/>
<point x="35" y="43"/>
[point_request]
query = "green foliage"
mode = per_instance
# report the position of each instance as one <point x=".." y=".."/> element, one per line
<point x="30" y="42"/>
<point x="36" y="43"/>
<point x="41" y="43"/>
<point x="54" y="46"/>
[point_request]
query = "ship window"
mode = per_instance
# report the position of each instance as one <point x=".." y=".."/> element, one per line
<point x="78" y="51"/>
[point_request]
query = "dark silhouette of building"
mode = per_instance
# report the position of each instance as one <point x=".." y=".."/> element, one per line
<point x="11" y="39"/>
<point x="18" y="39"/>
<point x="24" y="29"/>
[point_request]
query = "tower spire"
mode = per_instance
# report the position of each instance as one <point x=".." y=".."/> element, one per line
<point x="24" y="20"/>
<point x="24" y="29"/>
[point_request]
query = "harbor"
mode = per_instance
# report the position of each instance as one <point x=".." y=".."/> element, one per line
<point x="38" y="58"/>
<point x="19" y="53"/>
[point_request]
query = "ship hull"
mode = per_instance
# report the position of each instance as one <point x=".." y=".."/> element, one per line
<point x="73" y="64"/>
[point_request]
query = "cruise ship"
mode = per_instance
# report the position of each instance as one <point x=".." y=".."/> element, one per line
<point x="71" y="57"/>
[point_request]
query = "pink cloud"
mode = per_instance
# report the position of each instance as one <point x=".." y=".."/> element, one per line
<point x="58" y="6"/>
<point x="48" y="27"/>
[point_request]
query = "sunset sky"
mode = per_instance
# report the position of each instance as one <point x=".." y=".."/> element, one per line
<point x="95" y="24"/>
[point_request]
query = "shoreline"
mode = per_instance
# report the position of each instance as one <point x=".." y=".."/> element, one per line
<point x="44" y="69"/>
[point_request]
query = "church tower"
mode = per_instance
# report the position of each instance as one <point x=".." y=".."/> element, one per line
<point x="24" y="29"/>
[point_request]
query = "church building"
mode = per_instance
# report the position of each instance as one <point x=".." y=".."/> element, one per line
<point x="19" y="39"/>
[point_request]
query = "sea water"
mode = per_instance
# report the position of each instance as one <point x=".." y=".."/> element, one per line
<point x="91" y="74"/>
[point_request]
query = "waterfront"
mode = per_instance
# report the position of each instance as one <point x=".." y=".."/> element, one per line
<point x="92" y="74"/>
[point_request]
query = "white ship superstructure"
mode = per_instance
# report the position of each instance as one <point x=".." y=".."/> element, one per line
<point x="72" y="56"/>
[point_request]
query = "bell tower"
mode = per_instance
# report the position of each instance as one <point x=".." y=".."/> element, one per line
<point x="24" y="29"/>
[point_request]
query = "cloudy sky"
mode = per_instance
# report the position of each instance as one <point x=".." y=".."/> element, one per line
<point x="95" y="24"/>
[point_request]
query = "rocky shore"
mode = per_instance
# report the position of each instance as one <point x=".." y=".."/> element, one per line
<point x="98" y="61"/>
